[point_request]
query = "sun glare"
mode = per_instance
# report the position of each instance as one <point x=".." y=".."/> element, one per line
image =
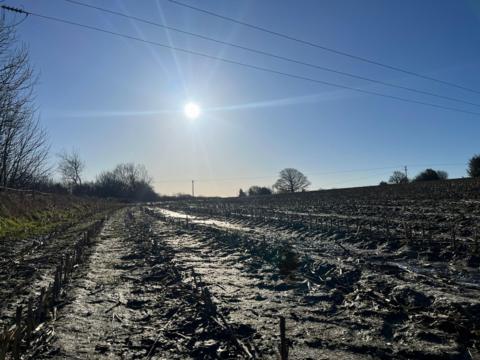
<point x="192" y="111"/>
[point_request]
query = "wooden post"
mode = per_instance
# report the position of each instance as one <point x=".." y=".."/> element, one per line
<point x="475" y="239"/>
<point x="29" y="320"/>
<point x="18" y="317"/>
<point x="68" y="267"/>
<point x="454" y="238"/>
<point x="3" y="343"/>
<point x="18" y="333"/>
<point x="56" y="285"/>
<point x="283" y="340"/>
<point x="40" y="309"/>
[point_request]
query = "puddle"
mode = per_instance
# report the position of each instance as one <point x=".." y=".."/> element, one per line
<point x="200" y="221"/>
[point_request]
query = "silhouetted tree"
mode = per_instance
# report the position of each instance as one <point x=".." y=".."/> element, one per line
<point x="259" y="190"/>
<point x="442" y="175"/>
<point x="23" y="143"/>
<point x="127" y="181"/>
<point x="182" y="196"/>
<point x="430" y="174"/>
<point x="71" y="166"/>
<point x="398" y="177"/>
<point x="474" y="166"/>
<point x="291" y="180"/>
<point x="383" y="183"/>
<point x="241" y="193"/>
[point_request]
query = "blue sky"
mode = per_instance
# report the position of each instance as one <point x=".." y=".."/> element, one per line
<point x="117" y="100"/>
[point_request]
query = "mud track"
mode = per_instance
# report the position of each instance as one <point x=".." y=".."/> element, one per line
<point x="160" y="287"/>
<point x="133" y="300"/>
<point x="28" y="265"/>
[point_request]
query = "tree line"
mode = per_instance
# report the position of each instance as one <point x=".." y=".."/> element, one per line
<point x="399" y="177"/>
<point x="291" y="180"/>
<point x="126" y="181"/>
<point x="24" y="146"/>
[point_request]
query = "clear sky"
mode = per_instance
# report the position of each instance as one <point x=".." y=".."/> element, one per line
<point x="117" y="100"/>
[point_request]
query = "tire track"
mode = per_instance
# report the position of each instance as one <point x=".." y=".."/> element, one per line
<point x="132" y="301"/>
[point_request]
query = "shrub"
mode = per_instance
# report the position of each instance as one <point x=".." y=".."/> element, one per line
<point x="259" y="190"/>
<point x="474" y="166"/>
<point x="430" y="174"/>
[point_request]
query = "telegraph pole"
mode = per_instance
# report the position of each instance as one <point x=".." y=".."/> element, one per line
<point x="193" y="188"/>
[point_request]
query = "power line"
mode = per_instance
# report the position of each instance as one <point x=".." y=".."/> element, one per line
<point x="246" y="65"/>
<point x="323" y="47"/>
<point x="15" y="10"/>
<point x="269" y="54"/>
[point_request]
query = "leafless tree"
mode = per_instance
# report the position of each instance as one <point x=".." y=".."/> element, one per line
<point x="70" y="167"/>
<point x="23" y="142"/>
<point x="291" y="180"/>
<point x="126" y="180"/>
<point x="398" y="177"/>
<point x="132" y="174"/>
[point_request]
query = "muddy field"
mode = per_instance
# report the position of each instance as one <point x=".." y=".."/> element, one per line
<point x="357" y="274"/>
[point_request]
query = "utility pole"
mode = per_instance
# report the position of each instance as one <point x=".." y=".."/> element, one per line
<point x="406" y="172"/>
<point x="193" y="188"/>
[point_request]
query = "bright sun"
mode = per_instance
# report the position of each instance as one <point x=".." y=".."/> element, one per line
<point x="191" y="110"/>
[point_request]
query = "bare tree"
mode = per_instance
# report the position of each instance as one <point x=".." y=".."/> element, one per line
<point x="70" y="167"/>
<point x="398" y="177"/>
<point x="291" y="180"/>
<point x="126" y="181"/>
<point x="132" y="174"/>
<point x="23" y="143"/>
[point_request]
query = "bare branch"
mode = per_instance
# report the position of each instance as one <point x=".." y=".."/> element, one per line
<point x="291" y="180"/>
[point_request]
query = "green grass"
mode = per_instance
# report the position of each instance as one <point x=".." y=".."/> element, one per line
<point x="38" y="223"/>
<point x="28" y="218"/>
<point x="14" y="228"/>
